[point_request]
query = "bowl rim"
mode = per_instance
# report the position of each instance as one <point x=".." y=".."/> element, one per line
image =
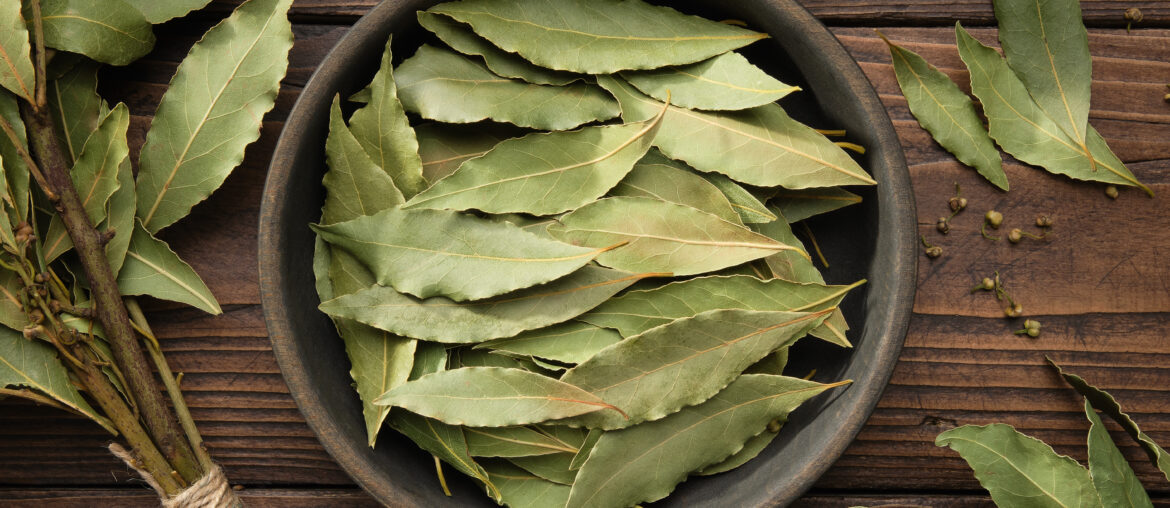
<point x="892" y="289"/>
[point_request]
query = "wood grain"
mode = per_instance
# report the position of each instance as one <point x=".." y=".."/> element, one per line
<point x="1100" y="285"/>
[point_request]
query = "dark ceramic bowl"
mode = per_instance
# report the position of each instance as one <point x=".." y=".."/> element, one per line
<point x="874" y="240"/>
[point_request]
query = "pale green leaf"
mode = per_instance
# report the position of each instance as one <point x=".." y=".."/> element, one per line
<point x="751" y="449"/>
<point x="947" y="113"/>
<point x="597" y="37"/>
<point x="491" y="397"/>
<point x="212" y="110"/>
<point x="158" y="11"/>
<point x="479" y="358"/>
<point x="750" y="209"/>
<point x="445" y="86"/>
<point x="443" y="441"/>
<point x="554" y="467"/>
<point x="442" y="320"/>
<point x="354" y="185"/>
<point x="585" y="449"/>
<point x="443" y="147"/>
<point x="77" y="108"/>
<point x="95" y="176"/>
<point x="383" y="130"/>
<point x="1105" y="402"/>
<point x="666" y="238"/>
<point x="16" y="172"/>
<point x="521" y="489"/>
<point x="462" y="39"/>
<point x="512" y="442"/>
<point x="570" y="342"/>
<point x="1019" y="470"/>
<point x="637" y="311"/>
<point x="1112" y="476"/>
<point x="645" y="462"/>
<point x="1022" y="128"/>
<point x="1046" y="45"/>
<point x="725" y="82"/>
<point x="152" y="268"/>
<point x="16" y="67"/>
<point x="682" y="363"/>
<point x="11" y="309"/>
<point x="34" y="364"/>
<point x="429" y="358"/>
<point x="658" y="177"/>
<point x="570" y="169"/>
<point x="110" y="31"/>
<point x="120" y="217"/>
<point x="760" y="146"/>
<point x="797" y="205"/>
<point x="438" y="252"/>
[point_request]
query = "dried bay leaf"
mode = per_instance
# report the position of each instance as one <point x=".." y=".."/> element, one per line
<point x="658" y="177"/>
<point x="750" y="209"/>
<point x="638" y="311"/>
<point x="1111" y="474"/>
<point x="569" y="342"/>
<point x="442" y="320"/>
<point x="382" y="129"/>
<point x="761" y="146"/>
<point x="110" y="31"/>
<point x="1022" y="129"/>
<point x="152" y="268"/>
<point x="156" y="11"/>
<point x="491" y="397"/>
<point x="461" y="38"/>
<point x="34" y="365"/>
<point x="429" y="357"/>
<point x="597" y="37"/>
<point x="445" y="86"/>
<point x="16" y="172"/>
<point x="120" y="217"/>
<point x="947" y="113"/>
<point x="666" y="237"/>
<point x="797" y="205"/>
<point x="77" y="108"/>
<point x="521" y="489"/>
<point x="751" y="449"/>
<point x="683" y="362"/>
<point x="645" y="462"/>
<point x="443" y="147"/>
<point x="1019" y="470"/>
<point x="554" y="467"/>
<point x="354" y="185"/>
<point x="438" y="252"/>
<point x="16" y="67"/>
<point x="724" y="82"/>
<point x="212" y="110"/>
<point x="444" y="441"/>
<point x="11" y="308"/>
<point x="512" y="442"/>
<point x="570" y="169"/>
<point x="585" y="449"/>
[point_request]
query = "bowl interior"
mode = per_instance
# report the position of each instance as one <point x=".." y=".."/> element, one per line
<point x="874" y="240"/>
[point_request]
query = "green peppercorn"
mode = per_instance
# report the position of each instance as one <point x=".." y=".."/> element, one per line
<point x="1015" y="235"/>
<point x="993" y="218"/>
<point x="1111" y="191"/>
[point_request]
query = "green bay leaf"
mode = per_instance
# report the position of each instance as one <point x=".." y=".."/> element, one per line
<point x="11" y="308"/>
<point x="212" y="110"/>
<point x="152" y="268"/>
<point x="442" y="320"/>
<point x="569" y="168"/>
<point x="444" y="147"/>
<point x="555" y="467"/>
<point x="491" y="397"/>
<point x="1112" y="476"/>
<point x="16" y="172"/>
<point x="120" y="217"/>
<point x="1019" y="470"/>
<point x="947" y="113"/>
<point x="443" y="253"/>
<point x="656" y="176"/>
<point x="382" y="129"/>
<point x="724" y="82"/>
<point x="759" y="146"/>
<point x="569" y="342"/>
<point x="521" y="489"/>
<point x="797" y="205"/>
<point x="751" y="449"/>
<point x="442" y="85"/>
<point x="443" y="441"/>
<point x="645" y="462"/>
<point x="110" y="31"/>
<point x="77" y="108"/>
<point x="512" y="442"/>
<point x="749" y="208"/>
<point x="666" y="237"/>
<point x="1024" y="130"/>
<point x="597" y="37"/>
<point x="16" y="67"/>
<point x="34" y="365"/>
<point x="682" y="363"/>
<point x="462" y="39"/>
<point x="354" y="185"/>
<point x="158" y="11"/>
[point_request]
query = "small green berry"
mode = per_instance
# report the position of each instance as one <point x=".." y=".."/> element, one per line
<point x="1111" y="191"/>
<point x="774" y="426"/>
<point x="957" y="203"/>
<point x="934" y="252"/>
<point x="1043" y="221"/>
<point x="1015" y="235"/>
<point x="943" y="225"/>
<point x="993" y="218"/>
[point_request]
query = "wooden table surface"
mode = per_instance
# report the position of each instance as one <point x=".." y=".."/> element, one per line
<point x="1101" y="287"/>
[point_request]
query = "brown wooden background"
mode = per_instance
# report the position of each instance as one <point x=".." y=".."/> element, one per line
<point x="1101" y="286"/>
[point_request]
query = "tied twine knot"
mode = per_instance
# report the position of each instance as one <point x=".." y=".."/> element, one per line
<point x="210" y="491"/>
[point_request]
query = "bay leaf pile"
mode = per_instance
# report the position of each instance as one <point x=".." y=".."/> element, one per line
<point x="556" y="242"/>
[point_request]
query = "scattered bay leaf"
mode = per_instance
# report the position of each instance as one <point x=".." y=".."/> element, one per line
<point x="586" y="447"/>
<point x="797" y="205"/>
<point x="1111" y="474"/>
<point x="569" y="342"/>
<point x="750" y="209"/>
<point x="438" y="252"/>
<point x="445" y="86"/>
<point x="723" y="82"/>
<point x="462" y="39"/>
<point x="667" y="237"/>
<point x="658" y="177"/>
<point x="751" y="449"/>
<point x="597" y="37"/>
<point x="443" y="441"/>
<point x="554" y="467"/>
<point x="212" y="110"/>
<point x="512" y="442"/>
<point x="354" y="185"/>
<point x="16" y="67"/>
<point x="152" y="268"/>
<point x="110" y="31"/>
<point x="521" y="489"/>
<point x="491" y="397"/>
<point x="442" y="320"/>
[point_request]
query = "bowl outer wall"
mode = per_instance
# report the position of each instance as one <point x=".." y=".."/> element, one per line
<point x="310" y="356"/>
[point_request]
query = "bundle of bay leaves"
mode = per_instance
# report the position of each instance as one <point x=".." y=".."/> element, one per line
<point x="588" y="291"/>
